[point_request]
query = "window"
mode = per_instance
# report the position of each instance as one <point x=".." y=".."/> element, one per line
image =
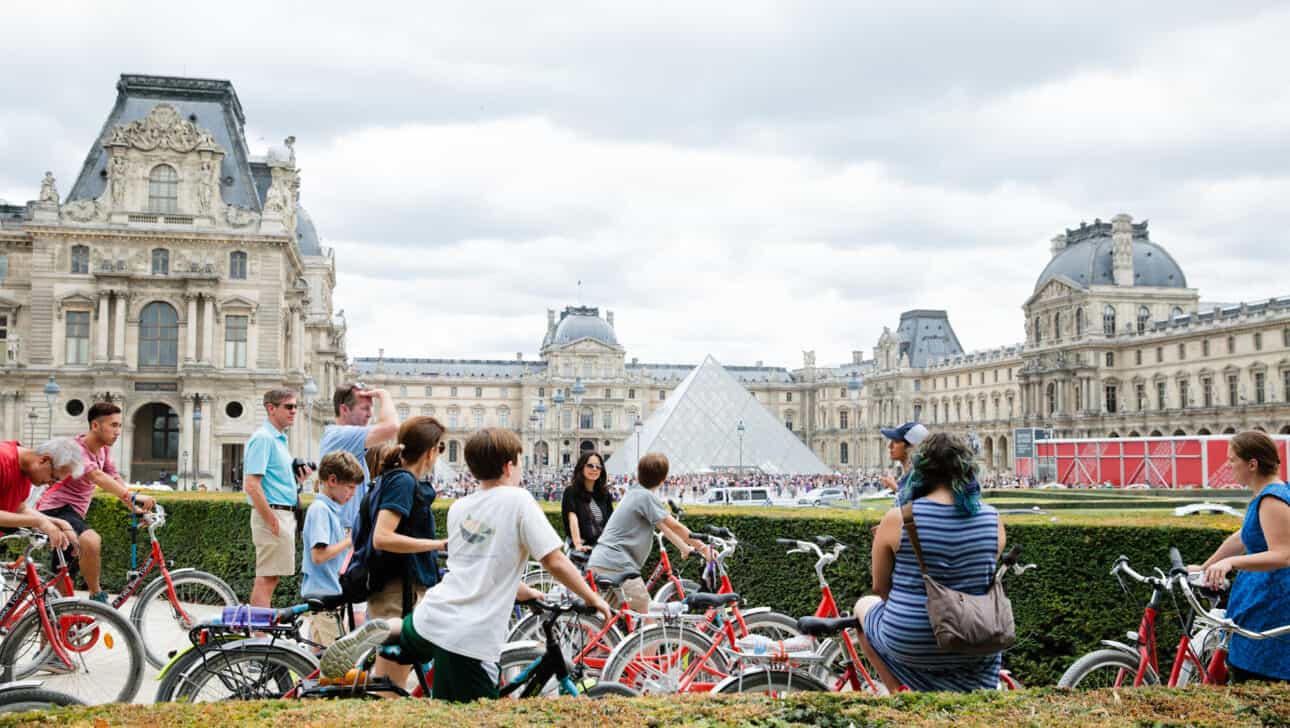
<point x="1110" y="358"/>
<point x="233" y="410"/>
<point x="235" y="329"/>
<point x="996" y="376"/>
<point x="160" y="262"/>
<point x="1079" y="322"/>
<point x="631" y="394"/>
<point x="1137" y="357"/>
<point x="788" y="420"/>
<point x="429" y="391"/>
<point x="609" y="393"/>
<point x="788" y="396"/>
<point x="78" y="337"/>
<point x="843" y="454"/>
<point x="1175" y="312"/>
<point x="607" y="419"/>
<point x="1260" y="387"/>
<point x="237" y="265"/>
<point x="1160" y="354"/>
<point x="842" y="392"/>
<point x="503" y="417"/>
<point x="1108" y="320"/>
<point x="1110" y="398"/>
<point x="1231" y="390"/>
<point x="403" y="411"/>
<point x="1144" y="317"/>
<point x="165" y="432"/>
<point x="1039" y="333"/>
<point x="163" y="189"/>
<point x="1207" y="391"/>
<point x="1204" y="347"/>
<point x="452" y="391"/>
<point x="1258" y="341"/>
<point x="1182" y="352"/>
<point x="586" y="419"/>
<point x="956" y="380"/>
<point x="843" y="416"/>
<point x="4" y="267"/>
<point x="1285" y="384"/>
<point x="4" y="327"/>
<point x="454" y="418"/>
<point x="918" y="412"/>
<point x="1231" y="345"/>
<point x="662" y="395"/>
<point x="158" y="335"/>
<point x="1160" y="396"/>
<point x="478" y="416"/>
<point x="1184" y="393"/>
<point x="505" y="393"/>
<point x="80" y="259"/>
<point x="452" y="451"/>
<point x="1285" y="337"/>
<point x="403" y="390"/>
<point x="541" y="392"/>
<point x="1057" y="325"/>
<point x="1142" y="397"/>
<point x="479" y="392"/>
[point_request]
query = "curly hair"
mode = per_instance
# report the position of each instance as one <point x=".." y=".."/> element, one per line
<point x="944" y="460"/>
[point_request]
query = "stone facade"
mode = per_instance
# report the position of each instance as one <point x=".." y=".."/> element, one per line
<point x="180" y="279"/>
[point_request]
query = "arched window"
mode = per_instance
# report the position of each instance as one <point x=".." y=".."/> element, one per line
<point x="452" y="451"/>
<point x="160" y="262"/>
<point x="1057" y="325"/>
<point x="1039" y="334"/>
<point x="1079" y="322"/>
<point x="1144" y="318"/>
<point x="80" y="259"/>
<point x="1108" y="320"/>
<point x="1052" y="398"/>
<point x="158" y="335"/>
<point x="843" y="454"/>
<point x="237" y="265"/>
<point x="163" y="189"/>
<point x="1176" y="312"/>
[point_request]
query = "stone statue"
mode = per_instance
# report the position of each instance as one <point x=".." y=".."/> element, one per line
<point x="205" y="186"/>
<point x="48" y="193"/>
<point x="290" y="143"/>
<point x="275" y="201"/>
<point x="117" y="175"/>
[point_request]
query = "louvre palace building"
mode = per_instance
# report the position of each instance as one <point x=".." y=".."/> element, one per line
<point x="177" y="276"/>
<point x="1116" y="345"/>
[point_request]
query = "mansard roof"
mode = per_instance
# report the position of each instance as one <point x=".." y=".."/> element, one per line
<point x="926" y="334"/>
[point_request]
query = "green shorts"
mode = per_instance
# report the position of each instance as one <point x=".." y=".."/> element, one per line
<point x="457" y="678"/>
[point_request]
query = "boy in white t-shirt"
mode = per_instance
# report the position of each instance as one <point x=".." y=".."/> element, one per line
<point x="460" y="623"/>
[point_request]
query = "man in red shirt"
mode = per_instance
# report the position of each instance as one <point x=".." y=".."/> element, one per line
<point x="69" y="500"/>
<point x="20" y="467"/>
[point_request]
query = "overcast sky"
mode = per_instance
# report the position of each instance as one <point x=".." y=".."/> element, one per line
<point x="746" y="179"/>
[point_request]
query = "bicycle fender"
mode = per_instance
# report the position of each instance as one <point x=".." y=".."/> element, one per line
<point x="523" y="644"/>
<point x="170" y="663"/>
<point x="243" y="645"/>
<point x="20" y="685"/>
<point x="754" y="610"/>
<point x="1122" y="647"/>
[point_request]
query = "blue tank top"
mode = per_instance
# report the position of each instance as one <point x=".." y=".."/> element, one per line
<point x="1260" y="600"/>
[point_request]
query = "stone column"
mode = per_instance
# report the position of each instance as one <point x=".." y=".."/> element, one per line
<point x="208" y="323"/>
<point x="186" y="441"/>
<point x="101" y="331"/>
<point x="118" y="346"/>
<point x="208" y="422"/>
<point x="190" y="351"/>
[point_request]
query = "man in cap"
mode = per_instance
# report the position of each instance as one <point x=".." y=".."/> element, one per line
<point x="900" y="448"/>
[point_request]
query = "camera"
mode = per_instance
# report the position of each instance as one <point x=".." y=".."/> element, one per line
<point x="298" y="467"/>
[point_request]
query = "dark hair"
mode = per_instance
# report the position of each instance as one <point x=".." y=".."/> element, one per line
<point x="375" y="458"/>
<point x="417" y="436"/>
<point x="652" y="469"/>
<point x="601" y="488"/>
<point x="489" y="450"/>
<point x="344" y="395"/>
<point x="102" y="409"/>
<point x="1255" y="445"/>
<point x="278" y="395"/>
<point x="341" y="464"/>
<point x="944" y="459"/>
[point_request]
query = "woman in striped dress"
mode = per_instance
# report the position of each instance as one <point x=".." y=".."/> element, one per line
<point x="962" y="540"/>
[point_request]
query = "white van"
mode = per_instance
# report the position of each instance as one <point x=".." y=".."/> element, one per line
<point x="738" y="497"/>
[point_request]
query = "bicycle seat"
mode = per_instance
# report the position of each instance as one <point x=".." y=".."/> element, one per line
<point x="579" y="558"/>
<point x="825" y="542"/>
<point x="719" y="532"/>
<point x="326" y="603"/>
<point x="703" y="600"/>
<point x="614" y="582"/>
<point x="824" y="627"/>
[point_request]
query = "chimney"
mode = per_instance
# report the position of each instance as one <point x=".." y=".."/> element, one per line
<point x="857" y="356"/>
<point x="1059" y="244"/>
<point x="760" y="364"/>
<point x="609" y="316"/>
<point x="635" y="361"/>
<point x="550" y="319"/>
<point x="519" y="356"/>
<point x="380" y="360"/>
<point x="1122" y="249"/>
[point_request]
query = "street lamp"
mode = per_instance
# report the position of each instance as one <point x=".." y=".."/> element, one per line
<point x="578" y="391"/>
<point x="197" y="435"/>
<point x="51" y="396"/>
<point x="558" y="401"/>
<point x="637" y="426"/>
<point x="310" y="391"/>
<point x="739" y="428"/>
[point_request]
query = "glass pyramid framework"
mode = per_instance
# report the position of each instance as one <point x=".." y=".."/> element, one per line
<point x="696" y="428"/>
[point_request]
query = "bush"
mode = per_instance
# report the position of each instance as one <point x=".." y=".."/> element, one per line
<point x="1063" y="608"/>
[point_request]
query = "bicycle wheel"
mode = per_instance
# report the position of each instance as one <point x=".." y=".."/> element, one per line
<point x="667" y="592"/>
<point x="512" y="665"/>
<point x="1104" y="669"/>
<point x="104" y="655"/>
<point x="164" y="625"/>
<point x="832" y="671"/>
<point x="654" y="660"/>
<point x="1205" y="642"/>
<point x="771" y="624"/>
<point x="610" y="690"/>
<point x="573" y="632"/>
<point x="771" y="682"/>
<point x="19" y="700"/>
<point x="241" y="671"/>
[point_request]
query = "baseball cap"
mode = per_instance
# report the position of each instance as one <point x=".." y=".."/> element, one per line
<point x="911" y="432"/>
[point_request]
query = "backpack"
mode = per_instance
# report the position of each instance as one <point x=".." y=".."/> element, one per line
<point x="370" y="568"/>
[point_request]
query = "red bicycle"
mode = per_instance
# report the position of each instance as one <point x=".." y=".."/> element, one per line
<point x="74" y="646"/>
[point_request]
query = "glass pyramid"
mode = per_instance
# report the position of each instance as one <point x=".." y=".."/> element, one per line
<point x="696" y="428"/>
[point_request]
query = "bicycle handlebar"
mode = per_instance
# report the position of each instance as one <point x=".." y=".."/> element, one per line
<point x="1176" y="562"/>
<point x="1223" y="623"/>
<point x="1012" y="556"/>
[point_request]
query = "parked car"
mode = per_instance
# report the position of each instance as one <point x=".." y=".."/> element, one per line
<point x="822" y="497"/>
<point x="738" y="497"/>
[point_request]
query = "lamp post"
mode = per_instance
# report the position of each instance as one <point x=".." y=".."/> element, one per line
<point x="853" y="392"/>
<point x="310" y="391"/>
<point x="51" y="396"/>
<point x="197" y="435"/>
<point x="539" y="411"/>
<point x="637" y="426"/>
<point x="558" y="401"/>
<point x="739" y="428"/>
<point x="578" y="391"/>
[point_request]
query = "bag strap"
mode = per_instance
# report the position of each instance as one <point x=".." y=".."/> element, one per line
<point x="907" y="511"/>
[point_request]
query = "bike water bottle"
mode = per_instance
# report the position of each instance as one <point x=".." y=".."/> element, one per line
<point x="245" y="615"/>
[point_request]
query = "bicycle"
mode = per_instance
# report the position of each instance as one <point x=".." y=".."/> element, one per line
<point x="1136" y="659"/>
<point x="24" y="695"/>
<point x="84" y="648"/>
<point x="191" y="595"/>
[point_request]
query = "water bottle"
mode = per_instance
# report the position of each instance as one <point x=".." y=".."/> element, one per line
<point x="245" y="615"/>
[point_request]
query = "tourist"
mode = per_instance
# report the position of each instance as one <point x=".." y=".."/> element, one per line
<point x="1261" y="552"/>
<point x="271" y="489"/>
<point x="327" y="539"/>
<point x="352" y="404"/>
<point x="961" y="541"/>
<point x="460" y="624"/>
<point x="586" y="506"/>
<point x="900" y="448"/>
<point x="20" y="468"/>
<point x="69" y="499"/>
<point x="629" y="533"/>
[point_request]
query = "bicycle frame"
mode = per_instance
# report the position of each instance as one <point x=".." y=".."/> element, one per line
<point x="31" y="593"/>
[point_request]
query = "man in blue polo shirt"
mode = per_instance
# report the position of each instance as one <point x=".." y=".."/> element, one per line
<point x="353" y="404"/>
<point x="270" y="488"/>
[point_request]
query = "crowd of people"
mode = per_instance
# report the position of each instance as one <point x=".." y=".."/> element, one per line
<point x="371" y="536"/>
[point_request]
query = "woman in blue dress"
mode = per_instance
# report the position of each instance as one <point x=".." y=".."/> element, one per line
<point x="1260" y="598"/>
<point x="962" y="540"/>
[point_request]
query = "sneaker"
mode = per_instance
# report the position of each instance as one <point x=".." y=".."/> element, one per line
<point x="99" y="596"/>
<point x="340" y="657"/>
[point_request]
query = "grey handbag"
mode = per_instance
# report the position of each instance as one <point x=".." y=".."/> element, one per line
<point x="964" y="623"/>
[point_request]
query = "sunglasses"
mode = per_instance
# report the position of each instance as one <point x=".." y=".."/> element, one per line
<point x="288" y="407"/>
<point x="593" y="466"/>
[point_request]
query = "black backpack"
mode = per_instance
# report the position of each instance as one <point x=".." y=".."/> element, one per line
<point x="370" y="568"/>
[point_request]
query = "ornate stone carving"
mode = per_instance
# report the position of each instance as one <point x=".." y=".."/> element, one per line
<point x="48" y="192"/>
<point x="239" y="216"/>
<point x="117" y="172"/>
<point x="205" y="186"/>
<point x="162" y="128"/>
<point x="83" y="210"/>
<point x="275" y="202"/>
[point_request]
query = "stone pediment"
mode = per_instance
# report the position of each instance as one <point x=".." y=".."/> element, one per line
<point x="162" y="128"/>
<point x="1057" y="288"/>
<point x="77" y="300"/>
<point x="237" y="304"/>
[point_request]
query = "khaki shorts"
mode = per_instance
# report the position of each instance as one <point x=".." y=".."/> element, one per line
<point x="388" y="602"/>
<point x="324" y="627"/>
<point x="274" y="555"/>
<point x="633" y="594"/>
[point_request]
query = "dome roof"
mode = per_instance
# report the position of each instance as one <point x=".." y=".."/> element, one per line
<point x="581" y="322"/>
<point x="306" y="233"/>
<point x="1087" y="260"/>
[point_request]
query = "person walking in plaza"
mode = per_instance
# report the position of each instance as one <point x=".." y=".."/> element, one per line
<point x="586" y="505"/>
<point x="962" y="540"/>
<point x="20" y="468"/>
<point x="901" y="442"/>
<point x="69" y="499"/>
<point x="353" y="405"/>
<point x="1261" y="552"/>
<point x="271" y="489"/>
<point x="326" y="539"/>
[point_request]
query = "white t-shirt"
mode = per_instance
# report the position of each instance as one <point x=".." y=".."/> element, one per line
<point x="491" y="534"/>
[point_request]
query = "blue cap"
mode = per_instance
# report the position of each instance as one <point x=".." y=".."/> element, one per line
<point x="910" y="432"/>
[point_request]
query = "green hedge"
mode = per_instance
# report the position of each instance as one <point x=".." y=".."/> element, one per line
<point x="1237" y="707"/>
<point x="1063" y="608"/>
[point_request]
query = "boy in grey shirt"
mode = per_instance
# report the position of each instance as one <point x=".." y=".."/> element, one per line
<point x="628" y="536"/>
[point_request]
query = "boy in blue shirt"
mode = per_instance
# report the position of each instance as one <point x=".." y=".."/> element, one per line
<point x="326" y="540"/>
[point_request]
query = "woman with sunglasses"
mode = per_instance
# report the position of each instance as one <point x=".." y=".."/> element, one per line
<point x="586" y="505"/>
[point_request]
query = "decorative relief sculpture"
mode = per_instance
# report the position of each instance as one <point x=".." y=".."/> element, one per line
<point x="117" y="178"/>
<point x="276" y="200"/>
<point x="239" y="216"/>
<point x="48" y="192"/>
<point x="162" y="128"/>
<point x="82" y="210"/>
<point x="205" y="186"/>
